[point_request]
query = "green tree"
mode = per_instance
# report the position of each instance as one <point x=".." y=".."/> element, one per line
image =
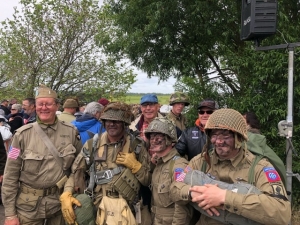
<point x="198" y="42"/>
<point x="52" y="42"/>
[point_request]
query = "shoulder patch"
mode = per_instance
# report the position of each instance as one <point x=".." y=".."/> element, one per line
<point x="177" y="172"/>
<point x="271" y="174"/>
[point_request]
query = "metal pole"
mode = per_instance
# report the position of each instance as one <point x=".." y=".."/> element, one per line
<point x="289" y="119"/>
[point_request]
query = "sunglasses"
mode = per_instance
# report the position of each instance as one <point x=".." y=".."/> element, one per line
<point x="201" y="112"/>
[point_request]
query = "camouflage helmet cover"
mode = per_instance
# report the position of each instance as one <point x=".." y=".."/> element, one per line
<point x="164" y="126"/>
<point x="227" y="119"/>
<point x="118" y="111"/>
<point x="179" y="97"/>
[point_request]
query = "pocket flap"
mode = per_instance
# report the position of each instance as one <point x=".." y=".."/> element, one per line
<point x="68" y="150"/>
<point x="27" y="202"/>
<point x="28" y="154"/>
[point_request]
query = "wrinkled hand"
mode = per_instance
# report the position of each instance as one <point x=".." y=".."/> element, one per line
<point x="67" y="201"/>
<point x="129" y="160"/>
<point x="14" y="221"/>
<point x="208" y="197"/>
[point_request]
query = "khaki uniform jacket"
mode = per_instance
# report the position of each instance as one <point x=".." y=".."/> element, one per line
<point x="35" y="166"/>
<point x="143" y="175"/>
<point x="179" y="121"/>
<point x="263" y="208"/>
<point x="165" y="210"/>
<point x="66" y="116"/>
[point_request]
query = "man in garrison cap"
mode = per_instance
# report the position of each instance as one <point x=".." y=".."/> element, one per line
<point x="38" y="165"/>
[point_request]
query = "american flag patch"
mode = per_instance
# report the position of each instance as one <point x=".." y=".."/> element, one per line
<point x="181" y="177"/>
<point x="13" y="153"/>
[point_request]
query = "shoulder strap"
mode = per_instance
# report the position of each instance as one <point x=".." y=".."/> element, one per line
<point x="48" y="143"/>
<point x="171" y="165"/>
<point x="252" y="168"/>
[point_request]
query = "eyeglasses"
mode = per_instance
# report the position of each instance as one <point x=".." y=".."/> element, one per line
<point x="12" y="109"/>
<point x="151" y="104"/>
<point x="47" y="105"/>
<point x="201" y="112"/>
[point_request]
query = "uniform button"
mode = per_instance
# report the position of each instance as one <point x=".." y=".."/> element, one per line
<point x="60" y="154"/>
<point x="227" y="206"/>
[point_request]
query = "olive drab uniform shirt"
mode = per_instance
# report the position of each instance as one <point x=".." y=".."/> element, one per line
<point x="31" y="172"/>
<point x="165" y="210"/>
<point x="179" y="121"/>
<point x="271" y="207"/>
<point x="143" y="175"/>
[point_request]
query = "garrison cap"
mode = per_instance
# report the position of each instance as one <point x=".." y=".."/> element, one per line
<point x="45" y="92"/>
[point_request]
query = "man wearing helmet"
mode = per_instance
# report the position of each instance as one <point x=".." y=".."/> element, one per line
<point x="118" y="164"/>
<point x="230" y="162"/>
<point x="161" y="134"/>
<point x="178" y="101"/>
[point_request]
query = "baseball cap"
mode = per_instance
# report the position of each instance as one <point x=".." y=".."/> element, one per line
<point x="209" y="103"/>
<point x="149" y="98"/>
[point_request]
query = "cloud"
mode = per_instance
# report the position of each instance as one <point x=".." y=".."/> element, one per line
<point x="143" y="84"/>
<point x="150" y="85"/>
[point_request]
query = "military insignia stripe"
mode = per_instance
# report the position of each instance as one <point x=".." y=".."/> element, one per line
<point x="177" y="172"/>
<point x="271" y="174"/>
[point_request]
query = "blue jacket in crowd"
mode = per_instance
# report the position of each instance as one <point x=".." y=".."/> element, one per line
<point x="88" y="126"/>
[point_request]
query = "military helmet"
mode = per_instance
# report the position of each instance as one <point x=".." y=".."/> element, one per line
<point x="164" y="126"/>
<point x="117" y="111"/>
<point x="179" y="97"/>
<point x="227" y="119"/>
<point x="85" y="212"/>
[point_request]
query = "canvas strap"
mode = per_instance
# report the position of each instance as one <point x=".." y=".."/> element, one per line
<point x="48" y="143"/>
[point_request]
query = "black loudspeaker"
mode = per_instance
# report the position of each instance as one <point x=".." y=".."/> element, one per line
<point x="258" y="20"/>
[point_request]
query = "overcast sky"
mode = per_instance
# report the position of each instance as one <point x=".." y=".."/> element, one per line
<point x="143" y="84"/>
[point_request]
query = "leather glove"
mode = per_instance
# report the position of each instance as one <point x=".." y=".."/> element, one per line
<point x="129" y="160"/>
<point x="67" y="201"/>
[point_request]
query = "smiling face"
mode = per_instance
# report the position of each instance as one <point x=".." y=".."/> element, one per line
<point x="224" y="143"/>
<point x="115" y="129"/>
<point x="203" y="114"/>
<point x="46" y="109"/>
<point x="149" y="110"/>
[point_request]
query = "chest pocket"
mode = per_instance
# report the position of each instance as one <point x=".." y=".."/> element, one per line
<point x="32" y="162"/>
<point x="163" y="192"/>
<point x="68" y="156"/>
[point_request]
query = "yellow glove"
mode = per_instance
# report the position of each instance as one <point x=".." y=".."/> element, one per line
<point x="67" y="201"/>
<point x="129" y="160"/>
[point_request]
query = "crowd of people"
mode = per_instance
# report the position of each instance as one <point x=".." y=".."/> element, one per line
<point x="112" y="163"/>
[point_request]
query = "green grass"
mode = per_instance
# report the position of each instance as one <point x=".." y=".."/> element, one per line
<point x="136" y="98"/>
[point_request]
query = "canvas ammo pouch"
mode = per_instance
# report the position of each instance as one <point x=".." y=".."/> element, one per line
<point x="127" y="185"/>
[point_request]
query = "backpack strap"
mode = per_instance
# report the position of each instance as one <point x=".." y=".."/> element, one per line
<point x="252" y="168"/>
<point x="171" y="165"/>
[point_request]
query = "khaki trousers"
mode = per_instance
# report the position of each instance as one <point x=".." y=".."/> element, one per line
<point x="57" y="219"/>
